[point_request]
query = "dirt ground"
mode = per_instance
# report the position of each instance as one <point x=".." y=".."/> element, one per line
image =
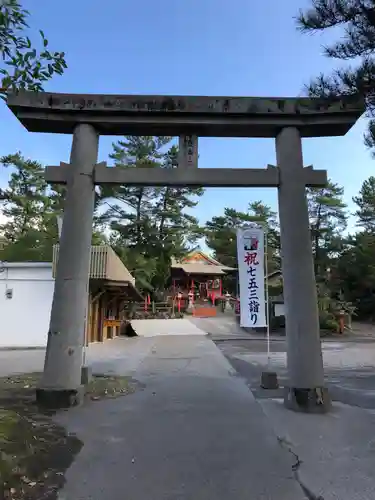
<point x="35" y="452"/>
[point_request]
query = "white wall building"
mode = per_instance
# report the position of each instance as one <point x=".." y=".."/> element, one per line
<point x="26" y="291"/>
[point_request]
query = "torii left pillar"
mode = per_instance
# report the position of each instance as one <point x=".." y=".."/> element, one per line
<point x="60" y="385"/>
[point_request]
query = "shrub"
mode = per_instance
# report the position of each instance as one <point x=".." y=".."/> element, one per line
<point x="327" y="321"/>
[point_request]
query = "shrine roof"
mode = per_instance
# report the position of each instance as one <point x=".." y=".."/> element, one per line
<point x="201" y="269"/>
<point x="198" y="262"/>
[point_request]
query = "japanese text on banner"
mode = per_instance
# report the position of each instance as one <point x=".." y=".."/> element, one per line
<point x="250" y="243"/>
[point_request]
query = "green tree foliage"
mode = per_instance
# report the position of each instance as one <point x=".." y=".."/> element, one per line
<point x="328" y="219"/>
<point x="355" y="42"/>
<point x="176" y="229"/>
<point x="221" y="233"/>
<point x="365" y="202"/>
<point x="353" y="274"/>
<point x="149" y="225"/>
<point x="130" y="206"/>
<point x="221" y="237"/>
<point x="22" y="66"/>
<point x="268" y="219"/>
<point x="31" y="208"/>
<point x="30" y="230"/>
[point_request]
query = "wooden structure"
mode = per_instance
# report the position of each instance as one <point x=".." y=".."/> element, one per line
<point x="198" y="273"/>
<point x="111" y="289"/>
<point x="204" y="312"/>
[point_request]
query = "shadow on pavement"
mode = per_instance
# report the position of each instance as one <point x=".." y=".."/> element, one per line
<point x="352" y="386"/>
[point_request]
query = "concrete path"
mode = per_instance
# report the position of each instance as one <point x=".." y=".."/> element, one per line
<point x="155" y="327"/>
<point x="195" y="432"/>
<point x="335" y="451"/>
<point x="222" y="327"/>
<point x="336" y="355"/>
<point x="225" y="327"/>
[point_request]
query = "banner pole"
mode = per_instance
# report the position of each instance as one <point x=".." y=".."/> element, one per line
<point x="267" y="297"/>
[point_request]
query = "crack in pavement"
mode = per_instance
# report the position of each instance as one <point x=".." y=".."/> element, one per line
<point x="296" y="469"/>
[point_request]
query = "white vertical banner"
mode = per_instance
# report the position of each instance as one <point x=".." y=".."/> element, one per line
<point x="250" y="254"/>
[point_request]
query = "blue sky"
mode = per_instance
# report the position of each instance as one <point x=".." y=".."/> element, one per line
<point x="207" y="47"/>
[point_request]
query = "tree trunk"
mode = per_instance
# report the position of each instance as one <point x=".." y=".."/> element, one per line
<point x="163" y="215"/>
<point x="138" y="214"/>
<point x="316" y="243"/>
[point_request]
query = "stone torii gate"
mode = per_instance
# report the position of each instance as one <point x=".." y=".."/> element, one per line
<point x="89" y="116"/>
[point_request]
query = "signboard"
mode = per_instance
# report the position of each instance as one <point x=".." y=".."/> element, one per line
<point x="250" y="254"/>
<point x="188" y="151"/>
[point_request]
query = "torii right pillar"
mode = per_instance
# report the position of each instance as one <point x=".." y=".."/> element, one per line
<point x="305" y="390"/>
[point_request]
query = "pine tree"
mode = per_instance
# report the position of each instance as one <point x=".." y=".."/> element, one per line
<point x="175" y="229"/>
<point x="151" y="223"/>
<point x="129" y="214"/>
<point x="221" y="237"/>
<point x="328" y="219"/>
<point x="24" y="198"/>
<point x="24" y="204"/>
<point x="354" y="274"/>
<point x="268" y="219"/>
<point x="366" y="205"/>
<point x="221" y="233"/>
<point x="356" y="18"/>
<point x="21" y="66"/>
<point x="30" y="207"/>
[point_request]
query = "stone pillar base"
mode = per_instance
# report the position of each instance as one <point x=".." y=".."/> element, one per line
<point x="55" y="399"/>
<point x="269" y="380"/>
<point x="315" y="400"/>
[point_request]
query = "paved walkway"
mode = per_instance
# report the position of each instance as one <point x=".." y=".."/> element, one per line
<point x="155" y="327"/>
<point x="226" y="327"/>
<point x="195" y="432"/>
<point x="335" y="452"/>
<point x="336" y="355"/>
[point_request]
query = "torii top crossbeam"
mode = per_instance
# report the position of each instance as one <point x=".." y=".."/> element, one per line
<point x="204" y="116"/>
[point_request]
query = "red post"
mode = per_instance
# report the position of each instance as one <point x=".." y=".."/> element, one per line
<point x="146" y="304"/>
<point x="220" y="287"/>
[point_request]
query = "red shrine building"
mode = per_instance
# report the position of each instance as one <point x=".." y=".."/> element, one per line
<point x="198" y="273"/>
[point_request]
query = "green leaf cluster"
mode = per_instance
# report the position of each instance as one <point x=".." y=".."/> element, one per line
<point x="22" y="66"/>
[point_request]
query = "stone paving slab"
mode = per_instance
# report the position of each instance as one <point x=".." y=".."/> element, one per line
<point x="194" y="433"/>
